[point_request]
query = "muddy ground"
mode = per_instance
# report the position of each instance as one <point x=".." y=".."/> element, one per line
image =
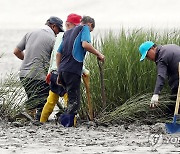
<point x="86" y="138"/>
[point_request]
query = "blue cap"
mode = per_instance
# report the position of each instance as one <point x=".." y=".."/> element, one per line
<point x="144" y="47"/>
<point x="57" y="21"/>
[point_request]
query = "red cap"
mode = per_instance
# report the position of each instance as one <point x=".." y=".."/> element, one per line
<point x="74" y="18"/>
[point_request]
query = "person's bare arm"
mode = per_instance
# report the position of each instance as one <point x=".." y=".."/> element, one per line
<point x="91" y="49"/>
<point x="58" y="59"/>
<point x="19" y="53"/>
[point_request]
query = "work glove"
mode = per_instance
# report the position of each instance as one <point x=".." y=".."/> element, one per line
<point x="85" y="72"/>
<point x="154" y="101"/>
<point x="48" y="76"/>
<point x="85" y="77"/>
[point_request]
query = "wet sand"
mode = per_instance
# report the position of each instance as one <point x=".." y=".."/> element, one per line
<point x="53" y="138"/>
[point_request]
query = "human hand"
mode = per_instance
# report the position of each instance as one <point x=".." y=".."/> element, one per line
<point x="154" y="101"/>
<point x="101" y="57"/>
<point x="48" y="76"/>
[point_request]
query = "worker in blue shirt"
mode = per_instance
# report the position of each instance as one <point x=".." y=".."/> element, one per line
<point x="69" y="59"/>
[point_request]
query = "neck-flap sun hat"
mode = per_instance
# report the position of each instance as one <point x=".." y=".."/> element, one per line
<point x="74" y="18"/>
<point x="144" y="47"/>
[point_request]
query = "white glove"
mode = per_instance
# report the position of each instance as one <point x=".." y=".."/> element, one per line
<point x="154" y="100"/>
<point x="85" y="71"/>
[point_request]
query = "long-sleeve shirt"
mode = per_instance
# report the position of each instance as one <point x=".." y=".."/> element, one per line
<point x="167" y="60"/>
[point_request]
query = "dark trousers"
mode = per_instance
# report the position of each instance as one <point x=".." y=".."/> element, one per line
<point x="54" y="87"/>
<point x="71" y="82"/>
<point x="37" y="92"/>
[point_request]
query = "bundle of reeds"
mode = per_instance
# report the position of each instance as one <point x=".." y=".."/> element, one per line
<point x="136" y="109"/>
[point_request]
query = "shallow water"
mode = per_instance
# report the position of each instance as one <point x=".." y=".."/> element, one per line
<point x="8" y="41"/>
<point x="9" y="38"/>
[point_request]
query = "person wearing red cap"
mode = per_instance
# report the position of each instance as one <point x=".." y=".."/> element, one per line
<point x="57" y="90"/>
<point x="73" y="20"/>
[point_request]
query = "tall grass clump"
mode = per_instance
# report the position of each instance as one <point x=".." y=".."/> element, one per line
<point x="124" y="75"/>
<point x="12" y="97"/>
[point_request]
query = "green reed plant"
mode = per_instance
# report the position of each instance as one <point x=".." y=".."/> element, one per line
<point x="12" y="97"/>
<point x="125" y="76"/>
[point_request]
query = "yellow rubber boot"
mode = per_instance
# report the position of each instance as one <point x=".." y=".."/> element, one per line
<point x="86" y="80"/>
<point x="75" y="121"/>
<point x="49" y="106"/>
<point x="65" y="97"/>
